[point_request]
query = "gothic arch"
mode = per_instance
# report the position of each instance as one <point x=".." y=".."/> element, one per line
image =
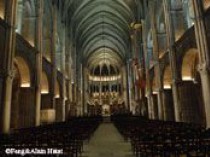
<point x="57" y="89"/>
<point x="189" y="64"/>
<point x="22" y="107"/>
<point x="154" y="85"/>
<point x="193" y="109"/>
<point x="44" y="83"/>
<point x="167" y="77"/>
<point x="24" y="70"/>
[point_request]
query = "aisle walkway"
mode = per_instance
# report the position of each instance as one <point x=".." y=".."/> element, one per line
<point x="107" y="142"/>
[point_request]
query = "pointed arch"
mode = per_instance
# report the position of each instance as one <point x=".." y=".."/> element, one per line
<point x="167" y="78"/>
<point x="44" y="83"/>
<point x="25" y="77"/>
<point x="189" y="65"/>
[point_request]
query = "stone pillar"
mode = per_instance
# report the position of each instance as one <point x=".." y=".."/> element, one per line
<point x="70" y="71"/>
<point x="73" y="92"/>
<point x="6" y="72"/>
<point x="172" y="57"/>
<point x="161" y="109"/>
<point x="53" y="57"/>
<point x="176" y="99"/>
<point x="155" y="105"/>
<point x="110" y="91"/>
<point x="63" y="69"/>
<point x="84" y="90"/>
<point x="74" y="73"/>
<point x="38" y="60"/>
<point x="148" y="79"/>
<point x="69" y="88"/>
<point x="139" y="92"/>
<point x="80" y="89"/>
<point x="151" y="105"/>
<point x="100" y="90"/>
<point x="158" y="80"/>
<point x="134" y="62"/>
<point x="205" y="81"/>
<point x="128" y="85"/>
<point x="203" y="50"/>
<point x="125" y="87"/>
<point x="68" y="75"/>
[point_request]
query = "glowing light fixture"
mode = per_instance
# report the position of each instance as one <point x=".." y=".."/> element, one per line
<point x="187" y="78"/>
<point x="155" y="92"/>
<point x="57" y="96"/>
<point x="44" y="91"/>
<point x="25" y="85"/>
<point x="167" y="87"/>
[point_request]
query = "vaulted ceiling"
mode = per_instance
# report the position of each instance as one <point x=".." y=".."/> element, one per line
<point x="100" y="29"/>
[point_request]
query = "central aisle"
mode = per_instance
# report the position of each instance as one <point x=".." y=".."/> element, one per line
<point x="107" y="142"/>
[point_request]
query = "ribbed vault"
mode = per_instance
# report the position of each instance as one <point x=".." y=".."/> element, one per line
<point x="100" y="29"/>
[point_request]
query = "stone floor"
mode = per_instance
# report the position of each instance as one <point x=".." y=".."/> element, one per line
<point x="107" y="142"/>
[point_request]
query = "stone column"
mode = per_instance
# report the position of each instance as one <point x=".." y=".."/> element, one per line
<point x="203" y="50"/>
<point x="84" y="90"/>
<point x="6" y="72"/>
<point x="134" y="57"/>
<point x="67" y="98"/>
<point x="118" y="86"/>
<point x="74" y="72"/>
<point x="70" y="72"/>
<point x="38" y="60"/>
<point x="149" y="96"/>
<point x="129" y="85"/>
<point x="170" y="42"/>
<point x="135" y="69"/>
<point x="100" y="89"/>
<point x="68" y="79"/>
<point x="148" y="79"/>
<point x="125" y="87"/>
<point x="80" y="88"/>
<point x="53" y="57"/>
<point x="110" y="90"/>
<point x="63" y="70"/>
<point x="161" y="107"/>
<point x="139" y="91"/>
